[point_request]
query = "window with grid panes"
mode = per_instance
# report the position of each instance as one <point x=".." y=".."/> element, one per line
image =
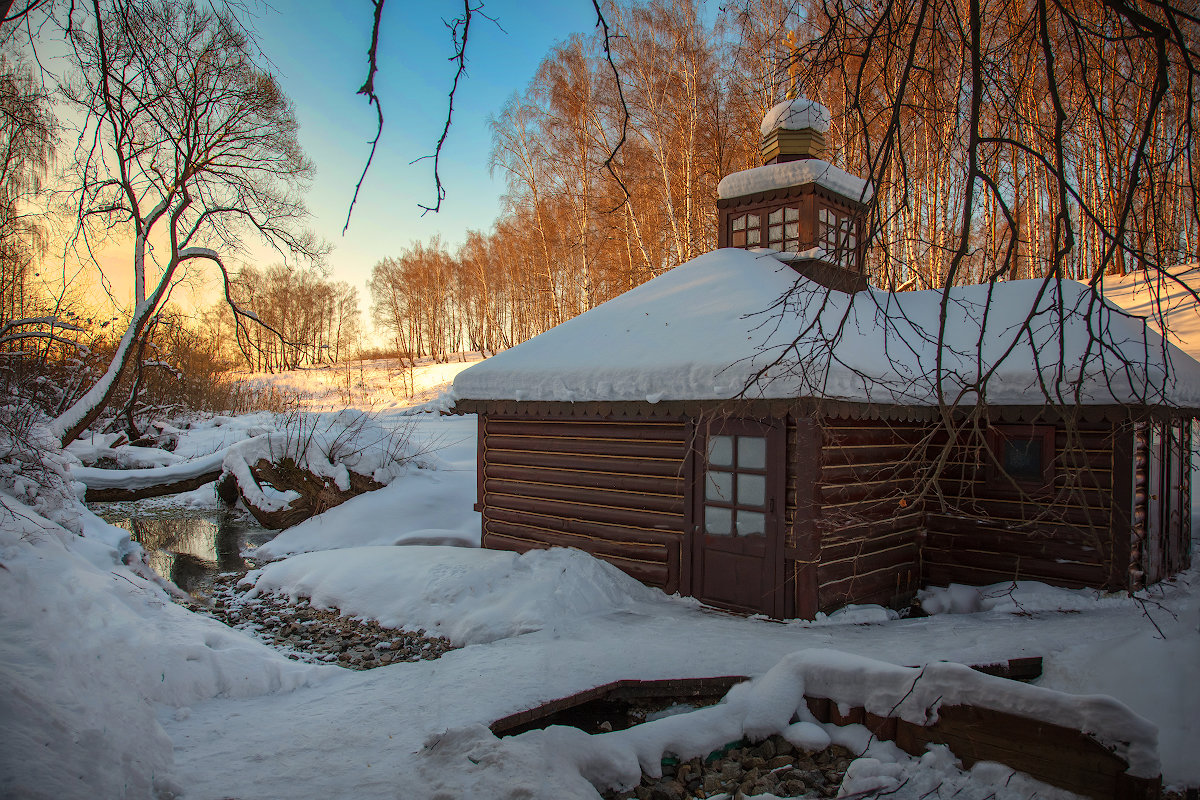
<point x="746" y="231"/>
<point x="783" y="229"/>
<point x="735" y="487"/>
<point x="836" y="237"/>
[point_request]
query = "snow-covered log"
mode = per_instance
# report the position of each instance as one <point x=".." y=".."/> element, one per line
<point x="108" y="485"/>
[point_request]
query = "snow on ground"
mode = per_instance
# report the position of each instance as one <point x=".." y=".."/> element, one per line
<point x="111" y="690"/>
<point x="378" y="384"/>
<point x="412" y="729"/>
<point x="469" y="596"/>
<point x="90" y="650"/>
<point x="431" y="504"/>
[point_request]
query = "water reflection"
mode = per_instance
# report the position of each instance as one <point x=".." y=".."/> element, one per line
<point x="189" y="546"/>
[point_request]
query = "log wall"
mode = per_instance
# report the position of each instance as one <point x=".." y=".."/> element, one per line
<point x="864" y="523"/>
<point x="613" y="488"/>
<point x="869" y="529"/>
<point x="985" y="530"/>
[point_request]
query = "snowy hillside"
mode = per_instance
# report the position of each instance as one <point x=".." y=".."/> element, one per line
<point x="378" y="384"/>
<point x="1166" y="303"/>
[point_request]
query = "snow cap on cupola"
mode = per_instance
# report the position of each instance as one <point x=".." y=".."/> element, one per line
<point x="793" y="130"/>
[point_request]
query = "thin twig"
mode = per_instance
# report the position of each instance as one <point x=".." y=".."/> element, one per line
<point x="368" y="88"/>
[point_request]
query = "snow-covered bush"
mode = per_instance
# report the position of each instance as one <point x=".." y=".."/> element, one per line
<point x="33" y="468"/>
<point x="317" y="461"/>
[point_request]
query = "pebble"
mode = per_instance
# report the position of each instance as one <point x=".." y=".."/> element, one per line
<point x="316" y="635"/>
<point x="775" y="767"/>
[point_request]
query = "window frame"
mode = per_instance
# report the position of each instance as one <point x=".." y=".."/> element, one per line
<point x="999" y="436"/>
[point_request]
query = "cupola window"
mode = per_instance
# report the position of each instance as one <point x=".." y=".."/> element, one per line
<point x="783" y="229"/>
<point x="837" y="238"/>
<point x="746" y="231"/>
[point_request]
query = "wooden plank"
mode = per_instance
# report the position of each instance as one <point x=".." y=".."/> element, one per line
<point x="601" y="548"/>
<point x="993" y="529"/>
<point x="880" y="526"/>
<point x="834" y="455"/>
<point x="1017" y="566"/>
<point x="901" y="557"/>
<point x="848" y="552"/>
<point x="1073" y="548"/>
<point x="627" y="465"/>
<point x="599" y="530"/>
<point x="942" y="574"/>
<point x="1122" y="519"/>
<point x="599" y="513"/>
<point x="884" y="587"/>
<point x="666" y="503"/>
<point x="803" y="534"/>
<point x="604" y="447"/>
<point x="859" y="437"/>
<point x="1033" y="510"/>
<point x="641" y="431"/>
<point x="654" y="484"/>
<point x="864" y="491"/>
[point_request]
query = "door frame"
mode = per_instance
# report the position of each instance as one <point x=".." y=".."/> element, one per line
<point x="774" y="430"/>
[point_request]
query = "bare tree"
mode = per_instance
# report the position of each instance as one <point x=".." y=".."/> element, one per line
<point x="26" y="144"/>
<point x="187" y="147"/>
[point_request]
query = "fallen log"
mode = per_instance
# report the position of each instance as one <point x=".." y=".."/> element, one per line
<point x="112" y="485"/>
<point x="314" y="494"/>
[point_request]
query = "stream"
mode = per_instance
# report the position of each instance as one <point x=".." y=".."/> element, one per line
<point x="189" y="546"/>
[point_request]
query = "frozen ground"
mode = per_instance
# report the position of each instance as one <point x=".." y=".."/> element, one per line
<point x="107" y="689"/>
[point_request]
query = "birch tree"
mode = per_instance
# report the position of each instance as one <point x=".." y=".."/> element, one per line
<point x="188" y="149"/>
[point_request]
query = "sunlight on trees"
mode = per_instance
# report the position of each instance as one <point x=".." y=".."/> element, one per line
<point x="185" y="139"/>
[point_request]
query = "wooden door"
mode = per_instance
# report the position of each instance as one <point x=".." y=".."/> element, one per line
<point x="1152" y="548"/>
<point x="737" y="554"/>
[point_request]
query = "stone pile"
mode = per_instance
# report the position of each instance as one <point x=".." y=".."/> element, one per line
<point x="311" y="634"/>
<point x="771" y="767"/>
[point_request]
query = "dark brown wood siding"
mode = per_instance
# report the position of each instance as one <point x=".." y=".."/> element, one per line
<point x="869" y="528"/>
<point x="984" y="529"/>
<point x="613" y="488"/>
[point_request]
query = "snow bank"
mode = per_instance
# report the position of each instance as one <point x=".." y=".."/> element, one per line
<point x="329" y="446"/>
<point x="469" y="596"/>
<point x="704" y="329"/>
<point x="774" y="704"/>
<point x="429" y="505"/>
<point x="1014" y="597"/>
<point x="88" y="647"/>
<point x="423" y="508"/>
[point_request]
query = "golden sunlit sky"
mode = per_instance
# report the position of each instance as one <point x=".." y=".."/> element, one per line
<point x="317" y="50"/>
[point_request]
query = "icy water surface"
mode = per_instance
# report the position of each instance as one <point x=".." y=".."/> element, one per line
<point x="189" y="546"/>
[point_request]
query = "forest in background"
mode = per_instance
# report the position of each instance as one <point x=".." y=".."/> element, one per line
<point x="1080" y="149"/>
<point x="1077" y="160"/>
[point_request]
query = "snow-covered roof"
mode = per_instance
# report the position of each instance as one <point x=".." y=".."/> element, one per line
<point x="705" y="329"/>
<point x="794" y="173"/>
<point x="797" y="114"/>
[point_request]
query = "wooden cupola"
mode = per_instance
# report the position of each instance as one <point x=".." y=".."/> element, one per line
<point x="798" y="204"/>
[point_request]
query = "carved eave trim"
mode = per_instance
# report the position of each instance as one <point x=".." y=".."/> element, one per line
<point x="808" y="407"/>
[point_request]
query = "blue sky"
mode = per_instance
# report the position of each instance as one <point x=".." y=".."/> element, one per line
<point x="318" y="51"/>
